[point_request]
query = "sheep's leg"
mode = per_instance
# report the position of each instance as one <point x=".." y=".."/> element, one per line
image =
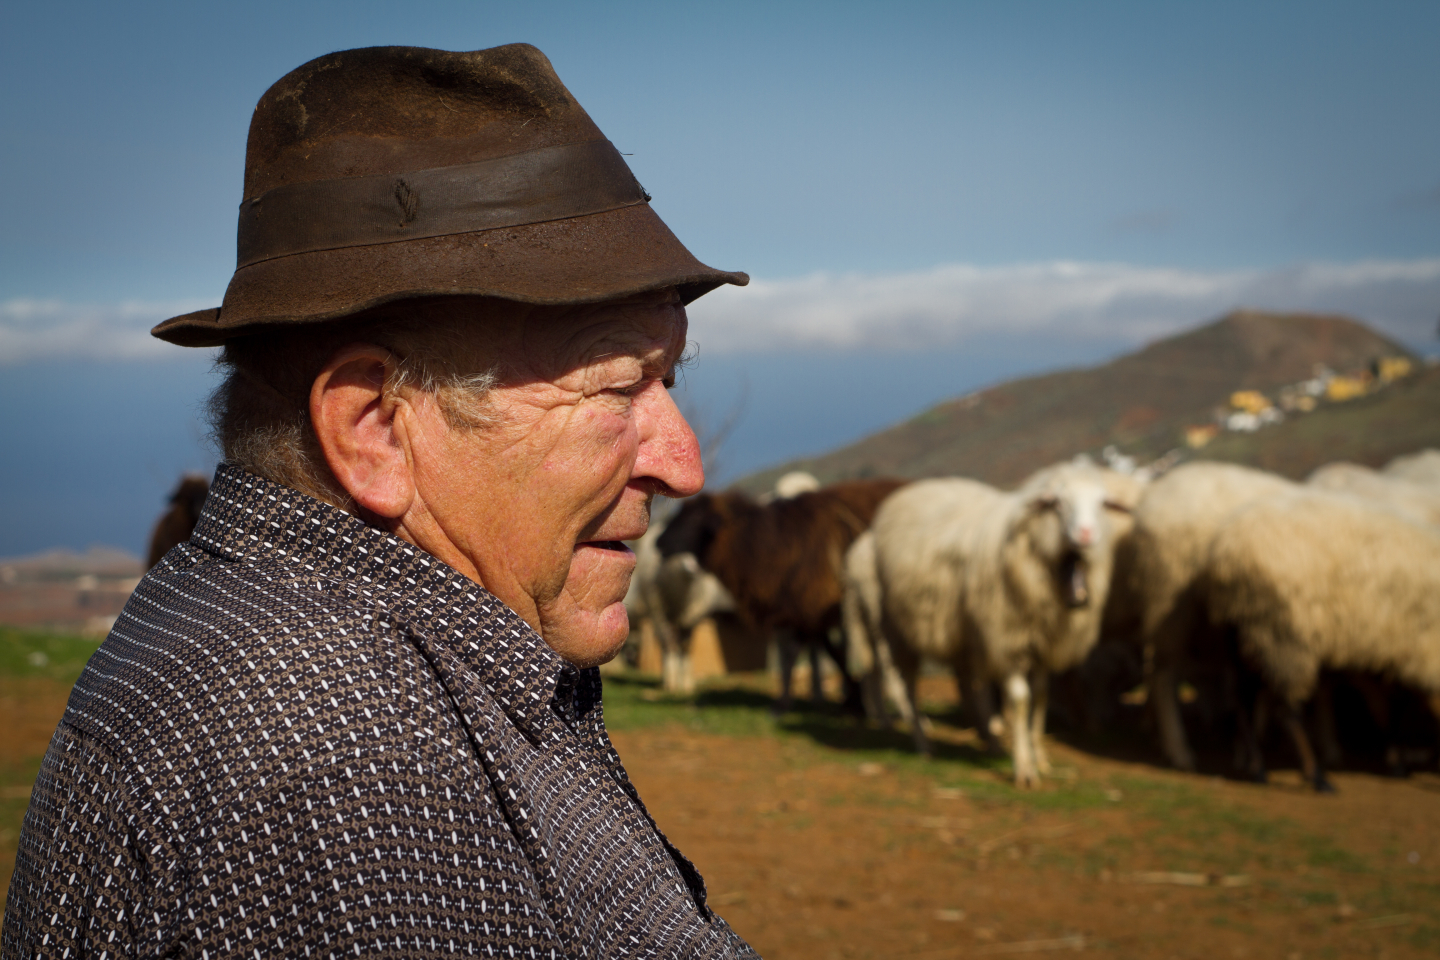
<point x="1433" y="702"/>
<point x="670" y="652"/>
<point x="1165" y="654"/>
<point x="669" y="671"/>
<point x="972" y="677"/>
<point x="1017" y="714"/>
<point x="684" y="665"/>
<point x="851" y="697"/>
<point x="1377" y="700"/>
<point x="1249" y="758"/>
<point x="1040" y="693"/>
<point x="982" y="706"/>
<point x="789" y="652"/>
<point x="900" y="673"/>
<point x="862" y="660"/>
<point x="1310" y="765"/>
<point x="1326" y="737"/>
<point x="872" y="693"/>
<point x="817" y="679"/>
<point x="675" y="673"/>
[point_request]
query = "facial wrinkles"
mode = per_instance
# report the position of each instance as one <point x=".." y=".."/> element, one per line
<point x="607" y="364"/>
<point x="613" y="369"/>
<point x="562" y="376"/>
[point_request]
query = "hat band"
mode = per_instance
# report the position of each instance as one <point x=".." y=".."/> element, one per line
<point x="551" y="183"/>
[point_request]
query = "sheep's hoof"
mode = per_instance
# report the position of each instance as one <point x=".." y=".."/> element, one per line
<point x="1323" y="785"/>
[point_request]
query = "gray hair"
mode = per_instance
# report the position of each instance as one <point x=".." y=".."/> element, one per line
<point x="260" y="413"/>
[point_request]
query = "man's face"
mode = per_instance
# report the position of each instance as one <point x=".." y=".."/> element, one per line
<point x="583" y="434"/>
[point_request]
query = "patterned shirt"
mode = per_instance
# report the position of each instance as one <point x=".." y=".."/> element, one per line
<point x="307" y="738"/>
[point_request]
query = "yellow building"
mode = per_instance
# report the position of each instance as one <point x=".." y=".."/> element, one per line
<point x="1340" y="389"/>
<point x="1390" y="369"/>
<point x="1251" y="401"/>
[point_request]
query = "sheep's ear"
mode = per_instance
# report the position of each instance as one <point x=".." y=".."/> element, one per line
<point x="1118" y="507"/>
<point x="1046" y="501"/>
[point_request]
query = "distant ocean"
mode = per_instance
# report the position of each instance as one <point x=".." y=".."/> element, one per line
<point x="90" y="450"/>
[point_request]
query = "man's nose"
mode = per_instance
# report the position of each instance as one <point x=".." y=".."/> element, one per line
<point x="669" y="452"/>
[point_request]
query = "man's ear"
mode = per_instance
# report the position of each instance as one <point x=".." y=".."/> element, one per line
<point x="354" y="420"/>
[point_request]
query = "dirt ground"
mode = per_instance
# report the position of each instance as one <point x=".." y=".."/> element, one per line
<point x="810" y="855"/>
<point x="819" y="841"/>
<point x="822" y="840"/>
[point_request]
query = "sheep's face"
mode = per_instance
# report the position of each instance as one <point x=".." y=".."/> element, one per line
<point x="1079" y="506"/>
<point x="1073" y="526"/>
<point x="1082" y="513"/>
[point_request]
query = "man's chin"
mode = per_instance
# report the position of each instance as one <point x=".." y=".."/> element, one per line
<point x="588" y="639"/>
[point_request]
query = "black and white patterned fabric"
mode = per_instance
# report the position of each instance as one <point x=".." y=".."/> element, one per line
<point x="307" y="738"/>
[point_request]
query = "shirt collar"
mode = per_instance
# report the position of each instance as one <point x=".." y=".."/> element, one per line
<point x="247" y="518"/>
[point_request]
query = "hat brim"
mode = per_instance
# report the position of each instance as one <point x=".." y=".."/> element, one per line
<point x="589" y="259"/>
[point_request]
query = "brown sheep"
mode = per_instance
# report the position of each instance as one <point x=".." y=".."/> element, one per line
<point x="783" y="561"/>
<point x="177" y="523"/>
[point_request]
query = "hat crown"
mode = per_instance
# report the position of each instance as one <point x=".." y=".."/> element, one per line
<point x="391" y="173"/>
<point x="385" y="110"/>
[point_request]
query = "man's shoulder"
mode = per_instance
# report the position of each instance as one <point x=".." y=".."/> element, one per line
<point x="259" y="654"/>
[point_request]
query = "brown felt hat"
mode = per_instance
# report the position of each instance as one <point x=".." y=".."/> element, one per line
<point x="387" y="173"/>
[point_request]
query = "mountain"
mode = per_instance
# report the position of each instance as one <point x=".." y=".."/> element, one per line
<point x="1143" y="402"/>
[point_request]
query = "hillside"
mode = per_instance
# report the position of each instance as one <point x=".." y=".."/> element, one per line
<point x="1142" y="403"/>
<point x="1371" y="430"/>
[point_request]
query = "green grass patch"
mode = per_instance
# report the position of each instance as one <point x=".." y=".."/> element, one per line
<point x="1197" y="829"/>
<point x="54" y="656"/>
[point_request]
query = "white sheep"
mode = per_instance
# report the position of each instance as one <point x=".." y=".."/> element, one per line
<point x="1001" y="586"/>
<point x="1414" y="501"/>
<point x="789" y="486"/>
<point x="674" y="594"/>
<point x="795" y="483"/>
<point x="1422" y="467"/>
<point x="868" y="655"/>
<point x="1310" y="580"/>
<point x="1175" y="522"/>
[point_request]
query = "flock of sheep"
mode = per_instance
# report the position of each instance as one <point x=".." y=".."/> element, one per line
<point x="1285" y="588"/>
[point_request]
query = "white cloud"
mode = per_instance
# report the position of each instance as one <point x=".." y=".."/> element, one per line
<point x="943" y="306"/>
<point x="955" y="303"/>
<point x="54" y="329"/>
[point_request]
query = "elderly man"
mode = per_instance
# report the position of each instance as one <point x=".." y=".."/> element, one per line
<point x="358" y="713"/>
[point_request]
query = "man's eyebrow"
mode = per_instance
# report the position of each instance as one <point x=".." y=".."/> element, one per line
<point x="685" y="360"/>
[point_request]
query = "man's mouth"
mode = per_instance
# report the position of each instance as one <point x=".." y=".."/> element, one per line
<point x="617" y="546"/>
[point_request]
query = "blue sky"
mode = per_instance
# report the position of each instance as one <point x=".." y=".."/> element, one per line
<point x="1003" y="187"/>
